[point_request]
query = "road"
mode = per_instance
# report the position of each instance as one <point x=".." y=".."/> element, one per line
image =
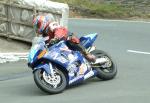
<point x="118" y="38"/>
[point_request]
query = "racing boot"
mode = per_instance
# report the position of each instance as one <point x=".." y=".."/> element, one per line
<point x="90" y="57"/>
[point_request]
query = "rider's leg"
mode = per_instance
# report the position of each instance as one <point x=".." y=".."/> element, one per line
<point x="79" y="47"/>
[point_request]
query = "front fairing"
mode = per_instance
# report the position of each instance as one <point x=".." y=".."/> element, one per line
<point x="37" y="46"/>
<point x="61" y="54"/>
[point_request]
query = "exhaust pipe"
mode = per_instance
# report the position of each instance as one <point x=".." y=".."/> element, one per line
<point x="101" y="61"/>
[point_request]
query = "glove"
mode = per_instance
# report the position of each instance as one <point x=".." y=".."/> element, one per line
<point x="90" y="57"/>
<point x="54" y="41"/>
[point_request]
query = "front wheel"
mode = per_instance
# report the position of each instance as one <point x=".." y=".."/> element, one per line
<point x="48" y="83"/>
<point x="107" y="70"/>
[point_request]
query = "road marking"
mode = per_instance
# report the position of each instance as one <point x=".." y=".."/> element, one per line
<point x="14" y="53"/>
<point x="12" y="57"/>
<point x="134" y="21"/>
<point x="138" y="52"/>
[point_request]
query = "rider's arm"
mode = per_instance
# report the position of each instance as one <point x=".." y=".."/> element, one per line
<point x="60" y="33"/>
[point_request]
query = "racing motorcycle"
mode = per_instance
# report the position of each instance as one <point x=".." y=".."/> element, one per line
<point x="58" y="66"/>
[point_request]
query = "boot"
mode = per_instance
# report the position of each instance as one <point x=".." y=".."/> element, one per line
<point x="90" y="57"/>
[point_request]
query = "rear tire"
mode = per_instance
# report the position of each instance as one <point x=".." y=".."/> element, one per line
<point x="48" y="84"/>
<point x="106" y="71"/>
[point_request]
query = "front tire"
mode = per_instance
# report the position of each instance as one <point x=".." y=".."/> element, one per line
<point x="105" y="71"/>
<point x="49" y="84"/>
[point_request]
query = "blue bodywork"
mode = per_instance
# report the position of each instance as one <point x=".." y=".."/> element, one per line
<point x="88" y="40"/>
<point x="72" y="62"/>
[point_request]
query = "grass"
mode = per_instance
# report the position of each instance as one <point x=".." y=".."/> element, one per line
<point x="87" y="8"/>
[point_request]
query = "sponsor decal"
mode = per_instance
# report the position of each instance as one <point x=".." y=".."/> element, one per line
<point x="82" y="69"/>
<point x="75" y="79"/>
<point x="71" y="57"/>
<point x="65" y="49"/>
<point x="91" y="73"/>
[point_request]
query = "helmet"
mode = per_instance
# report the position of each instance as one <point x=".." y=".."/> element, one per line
<point x="40" y="23"/>
<point x="53" y="25"/>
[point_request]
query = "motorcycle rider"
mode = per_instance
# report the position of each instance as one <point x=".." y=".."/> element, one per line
<point x="47" y="27"/>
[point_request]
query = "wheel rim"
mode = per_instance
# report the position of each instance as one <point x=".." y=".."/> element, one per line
<point x="108" y="64"/>
<point x="106" y="67"/>
<point x="54" y="80"/>
<point x="50" y="81"/>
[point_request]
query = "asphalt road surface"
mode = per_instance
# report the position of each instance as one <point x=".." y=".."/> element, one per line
<point x="127" y="42"/>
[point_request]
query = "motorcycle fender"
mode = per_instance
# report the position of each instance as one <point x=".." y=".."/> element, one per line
<point x="48" y="68"/>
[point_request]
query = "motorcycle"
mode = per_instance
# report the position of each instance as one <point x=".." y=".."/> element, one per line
<point x="58" y="66"/>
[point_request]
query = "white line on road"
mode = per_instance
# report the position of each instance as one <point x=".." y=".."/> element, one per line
<point x="11" y="57"/>
<point x="134" y="21"/>
<point x="138" y="52"/>
<point x="14" y="53"/>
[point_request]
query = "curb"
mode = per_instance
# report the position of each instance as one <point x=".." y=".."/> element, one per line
<point x="12" y="57"/>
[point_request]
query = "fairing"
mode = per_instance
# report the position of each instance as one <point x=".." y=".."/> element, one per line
<point x="73" y="62"/>
<point x="88" y="40"/>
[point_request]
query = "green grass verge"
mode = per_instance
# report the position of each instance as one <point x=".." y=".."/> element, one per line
<point x="102" y="10"/>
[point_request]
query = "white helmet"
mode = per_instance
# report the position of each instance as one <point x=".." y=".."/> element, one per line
<point x="54" y="25"/>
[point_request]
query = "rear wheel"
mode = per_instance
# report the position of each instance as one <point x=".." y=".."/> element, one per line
<point x="48" y="83"/>
<point x="107" y="70"/>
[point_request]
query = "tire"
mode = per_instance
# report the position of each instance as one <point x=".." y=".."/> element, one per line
<point x="104" y="72"/>
<point x="46" y="85"/>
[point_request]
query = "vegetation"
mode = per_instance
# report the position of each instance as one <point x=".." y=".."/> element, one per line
<point x="89" y="8"/>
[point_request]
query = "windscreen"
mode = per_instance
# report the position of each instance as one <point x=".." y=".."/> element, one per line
<point x="38" y="40"/>
<point x="37" y="43"/>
